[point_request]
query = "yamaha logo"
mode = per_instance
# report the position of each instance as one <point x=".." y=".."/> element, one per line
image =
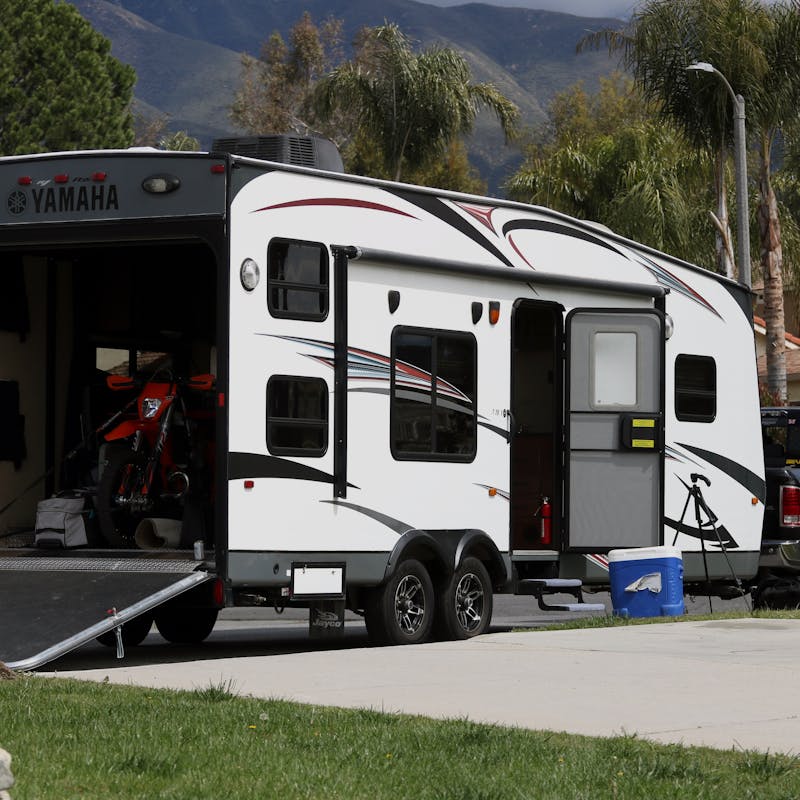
<point x="17" y="202"/>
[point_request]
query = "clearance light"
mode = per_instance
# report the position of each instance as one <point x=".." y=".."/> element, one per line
<point x="249" y="274"/>
<point x="494" y="312"/>
<point x="99" y="177"/>
<point x="217" y="169"/>
<point x="62" y="178"/>
<point x="669" y="326"/>
<point x="24" y="180"/>
<point x="249" y="484"/>
<point x="161" y="184"/>
<point x="753" y="501"/>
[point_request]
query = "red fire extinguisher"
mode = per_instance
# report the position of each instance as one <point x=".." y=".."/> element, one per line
<point x="545" y="514"/>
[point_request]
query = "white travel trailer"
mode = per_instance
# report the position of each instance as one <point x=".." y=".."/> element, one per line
<point x="420" y="398"/>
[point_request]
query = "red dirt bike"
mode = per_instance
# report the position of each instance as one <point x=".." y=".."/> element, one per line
<point x="154" y="455"/>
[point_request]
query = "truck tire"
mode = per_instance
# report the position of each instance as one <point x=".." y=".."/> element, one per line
<point x="185" y="625"/>
<point x="401" y="610"/>
<point x="464" y="602"/>
<point x="134" y="632"/>
<point x="776" y="593"/>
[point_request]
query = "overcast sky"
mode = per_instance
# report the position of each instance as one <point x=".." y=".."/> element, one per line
<point x="620" y="9"/>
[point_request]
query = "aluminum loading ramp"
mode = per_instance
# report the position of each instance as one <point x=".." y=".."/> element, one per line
<point x="52" y="605"/>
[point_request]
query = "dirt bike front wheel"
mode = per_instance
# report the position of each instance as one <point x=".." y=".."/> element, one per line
<point x="119" y="496"/>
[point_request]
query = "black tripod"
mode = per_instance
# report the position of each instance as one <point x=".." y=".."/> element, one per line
<point x="701" y="508"/>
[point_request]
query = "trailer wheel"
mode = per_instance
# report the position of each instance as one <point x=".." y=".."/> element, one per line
<point x="464" y="602"/>
<point x="185" y="625"/>
<point x="134" y="632"/>
<point x="401" y="610"/>
<point x="123" y="469"/>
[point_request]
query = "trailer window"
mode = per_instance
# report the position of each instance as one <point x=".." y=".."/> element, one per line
<point x="614" y="369"/>
<point x="433" y="395"/>
<point x="297" y="416"/>
<point x="695" y="388"/>
<point x="297" y="280"/>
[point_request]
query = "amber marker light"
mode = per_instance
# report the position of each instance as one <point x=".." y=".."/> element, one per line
<point x="492" y="491"/>
<point x="494" y="311"/>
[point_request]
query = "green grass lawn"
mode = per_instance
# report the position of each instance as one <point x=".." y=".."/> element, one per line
<point x="71" y="739"/>
<point x="611" y="621"/>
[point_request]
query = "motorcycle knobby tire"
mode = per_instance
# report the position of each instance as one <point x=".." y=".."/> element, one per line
<point x="118" y="524"/>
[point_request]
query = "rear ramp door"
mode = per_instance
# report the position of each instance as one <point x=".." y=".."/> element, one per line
<point x="615" y="453"/>
<point x="50" y="605"/>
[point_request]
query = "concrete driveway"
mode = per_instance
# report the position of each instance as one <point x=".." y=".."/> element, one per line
<point x="720" y="683"/>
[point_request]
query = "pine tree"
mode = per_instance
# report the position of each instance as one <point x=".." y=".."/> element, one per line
<point x="60" y="88"/>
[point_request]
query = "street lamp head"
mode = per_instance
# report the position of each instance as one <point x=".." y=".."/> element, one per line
<point x="702" y="66"/>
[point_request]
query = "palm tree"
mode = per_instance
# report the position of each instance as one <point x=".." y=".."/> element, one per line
<point x="662" y="39"/>
<point x="643" y="182"/>
<point x="774" y="106"/>
<point x="755" y="46"/>
<point x="411" y="106"/>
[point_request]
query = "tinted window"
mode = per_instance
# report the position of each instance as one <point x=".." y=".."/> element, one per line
<point x="433" y="411"/>
<point x="297" y="416"/>
<point x="297" y="279"/>
<point x="695" y="388"/>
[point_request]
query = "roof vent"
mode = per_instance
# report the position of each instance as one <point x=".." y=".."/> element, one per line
<point x="302" y="151"/>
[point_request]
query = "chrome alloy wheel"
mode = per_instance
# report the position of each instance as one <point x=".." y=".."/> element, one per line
<point x="469" y="602"/>
<point x="409" y="604"/>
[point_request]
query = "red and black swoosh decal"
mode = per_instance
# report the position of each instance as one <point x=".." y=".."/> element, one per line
<point x="441" y="210"/>
<point x="343" y="202"/>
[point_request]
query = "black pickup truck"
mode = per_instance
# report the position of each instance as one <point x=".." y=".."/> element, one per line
<point x="778" y="583"/>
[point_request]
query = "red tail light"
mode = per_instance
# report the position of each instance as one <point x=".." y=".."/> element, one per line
<point x="790" y="506"/>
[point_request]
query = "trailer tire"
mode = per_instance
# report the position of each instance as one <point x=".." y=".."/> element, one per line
<point x="134" y="632"/>
<point x="117" y="525"/>
<point x="185" y="625"/>
<point x="464" y="602"/>
<point x="401" y="610"/>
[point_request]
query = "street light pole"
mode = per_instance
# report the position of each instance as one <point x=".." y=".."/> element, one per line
<point x="740" y="167"/>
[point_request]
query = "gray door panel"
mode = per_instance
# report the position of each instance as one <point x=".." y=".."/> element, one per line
<point x="615" y="419"/>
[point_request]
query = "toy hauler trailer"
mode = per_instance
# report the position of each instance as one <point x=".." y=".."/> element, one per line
<point x="421" y="398"/>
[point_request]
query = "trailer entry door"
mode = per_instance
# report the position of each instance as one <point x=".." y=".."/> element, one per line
<point x="614" y="429"/>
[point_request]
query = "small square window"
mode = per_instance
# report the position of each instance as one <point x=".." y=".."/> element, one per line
<point x="297" y="279"/>
<point x="297" y="416"/>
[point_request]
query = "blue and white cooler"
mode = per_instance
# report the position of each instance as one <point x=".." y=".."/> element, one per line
<point x="646" y="581"/>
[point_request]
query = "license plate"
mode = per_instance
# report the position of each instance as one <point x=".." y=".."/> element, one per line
<point x="317" y="580"/>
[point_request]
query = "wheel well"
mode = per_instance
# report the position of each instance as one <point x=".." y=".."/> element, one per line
<point x="488" y="555"/>
<point x="443" y="551"/>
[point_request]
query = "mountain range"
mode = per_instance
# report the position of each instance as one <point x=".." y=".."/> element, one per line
<point x="187" y="54"/>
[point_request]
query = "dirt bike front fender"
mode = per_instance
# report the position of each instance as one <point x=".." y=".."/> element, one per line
<point x="123" y="430"/>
